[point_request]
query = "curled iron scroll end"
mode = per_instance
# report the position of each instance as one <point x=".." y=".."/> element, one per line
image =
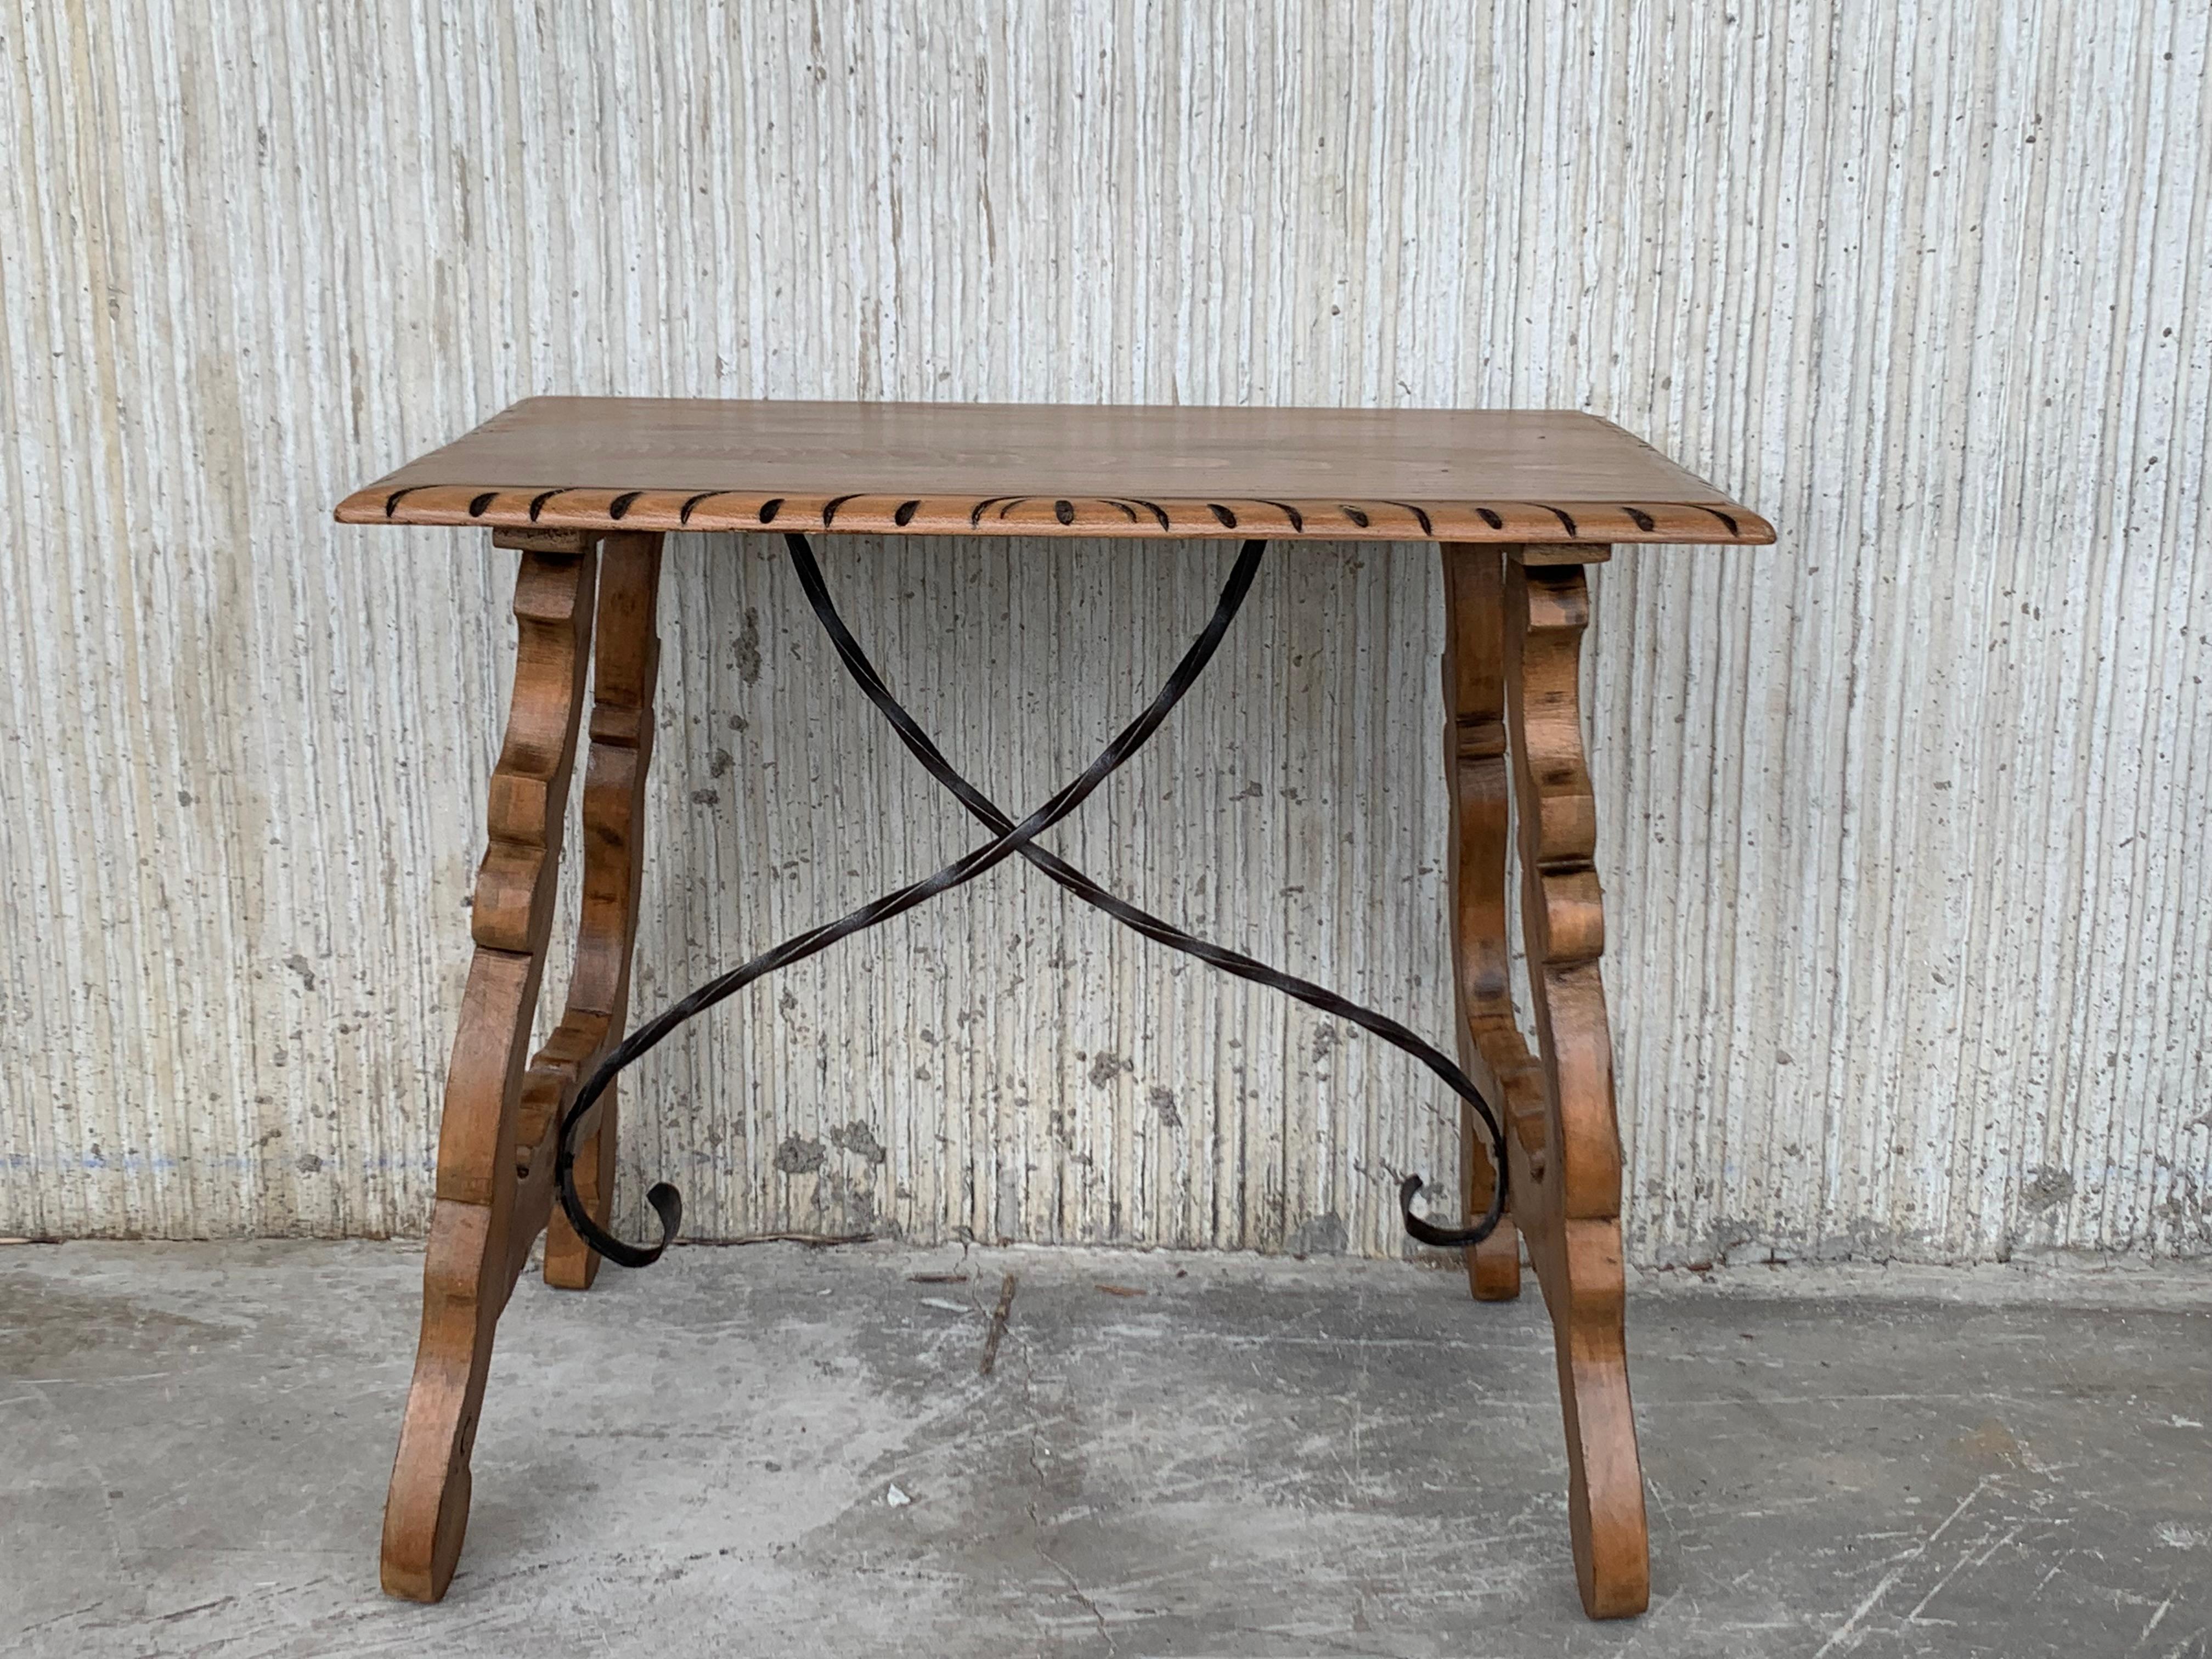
<point x="666" y="1202"/>
<point x="1427" y="1232"/>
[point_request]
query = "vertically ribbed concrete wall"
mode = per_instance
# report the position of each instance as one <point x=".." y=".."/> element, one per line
<point x="1903" y="820"/>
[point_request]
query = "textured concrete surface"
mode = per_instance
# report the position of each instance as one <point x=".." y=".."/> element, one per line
<point x="1251" y="1458"/>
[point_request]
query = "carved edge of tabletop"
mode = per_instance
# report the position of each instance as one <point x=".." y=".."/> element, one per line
<point x="1588" y="527"/>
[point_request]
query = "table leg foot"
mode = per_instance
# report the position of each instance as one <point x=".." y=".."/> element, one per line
<point x="1580" y="1269"/>
<point x="427" y="1512"/>
<point x="1493" y="1266"/>
<point x="571" y="1264"/>
<point x="493" y="1194"/>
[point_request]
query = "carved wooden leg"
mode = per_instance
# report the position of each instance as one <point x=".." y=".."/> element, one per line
<point x="484" y="1220"/>
<point x="624" y="673"/>
<point x="1475" y="763"/>
<point x="1569" y="1193"/>
<point x="495" y="1148"/>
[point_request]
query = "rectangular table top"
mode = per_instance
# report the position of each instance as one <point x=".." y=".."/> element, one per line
<point x="1057" y="470"/>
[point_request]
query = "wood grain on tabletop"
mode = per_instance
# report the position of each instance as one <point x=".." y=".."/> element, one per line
<point x="1524" y="476"/>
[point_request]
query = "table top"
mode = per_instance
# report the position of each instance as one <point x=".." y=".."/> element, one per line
<point x="1057" y="470"/>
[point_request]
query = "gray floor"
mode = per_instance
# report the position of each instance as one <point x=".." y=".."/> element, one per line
<point x="1250" y="1458"/>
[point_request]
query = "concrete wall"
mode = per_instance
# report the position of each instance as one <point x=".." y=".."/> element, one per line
<point x="1903" y="820"/>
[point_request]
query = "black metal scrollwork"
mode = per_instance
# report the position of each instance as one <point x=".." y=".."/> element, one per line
<point x="1009" y="839"/>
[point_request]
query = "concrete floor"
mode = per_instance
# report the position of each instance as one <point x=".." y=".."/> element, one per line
<point x="1251" y="1458"/>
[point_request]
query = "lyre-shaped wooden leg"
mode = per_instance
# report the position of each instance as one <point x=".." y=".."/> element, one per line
<point x="466" y="1278"/>
<point x="1566" y="1144"/>
<point x="494" y="1191"/>
<point x="1481" y="831"/>
<point x="623" y="674"/>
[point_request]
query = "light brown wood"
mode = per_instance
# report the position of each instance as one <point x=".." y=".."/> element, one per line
<point x="1521" y="502"/>
<point x="495" y="1186"/>
<point x="469" y="1269"/>
<point x="1480" y="829"/>
<point x="1522" y="795"/>
<point x="1508" y="476"/>
<point x="1568" y="1193"/>
<point x="535" y="538"/>
<point x="1574" y="553"/>
<point x="624" y="669"/>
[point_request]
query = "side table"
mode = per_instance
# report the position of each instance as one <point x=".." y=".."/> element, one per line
<point x="585" y="488"/>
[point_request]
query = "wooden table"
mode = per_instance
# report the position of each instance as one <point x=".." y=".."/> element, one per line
<point x="585" y="488"/>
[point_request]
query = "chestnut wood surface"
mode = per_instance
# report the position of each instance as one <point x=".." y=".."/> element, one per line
<point x="1525" y="476"/>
